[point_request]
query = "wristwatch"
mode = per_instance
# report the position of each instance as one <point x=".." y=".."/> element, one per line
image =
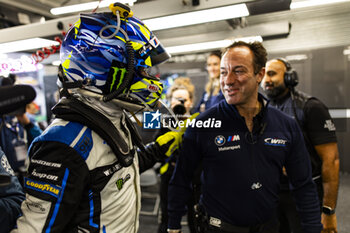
<point x="328" y="210"/>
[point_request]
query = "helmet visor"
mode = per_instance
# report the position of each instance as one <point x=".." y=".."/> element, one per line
<point x="155" y="50"/>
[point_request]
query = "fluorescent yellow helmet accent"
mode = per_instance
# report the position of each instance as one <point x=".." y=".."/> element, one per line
<point x="148" y="61"/>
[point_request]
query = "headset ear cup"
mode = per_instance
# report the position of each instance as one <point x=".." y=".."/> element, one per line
<point x="295" y="78"/>
<point x="290" y="75"/>
<point x="291" y="78"/>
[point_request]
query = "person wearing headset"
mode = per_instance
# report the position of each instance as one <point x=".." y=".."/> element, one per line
<point x="319" y="134"/>
<point x="242" y="158"/>
<point x="84" y="172"/>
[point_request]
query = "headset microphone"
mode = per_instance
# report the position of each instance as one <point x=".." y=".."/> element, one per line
<point x="15" y="97"/>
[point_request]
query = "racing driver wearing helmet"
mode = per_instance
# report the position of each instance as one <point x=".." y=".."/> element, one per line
<point x="84" y="169"/>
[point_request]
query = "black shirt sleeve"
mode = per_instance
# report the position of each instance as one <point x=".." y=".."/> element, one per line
<point x="318" y="123"/>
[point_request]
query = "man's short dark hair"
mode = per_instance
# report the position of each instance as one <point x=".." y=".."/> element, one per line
<point x="259" y="51"/>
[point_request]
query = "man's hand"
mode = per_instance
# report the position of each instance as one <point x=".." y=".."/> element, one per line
<point x="329" y="223"/>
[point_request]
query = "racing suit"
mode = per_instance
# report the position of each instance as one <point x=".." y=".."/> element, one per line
<point x="242" y="169"/>
<point x="75" y="182"/>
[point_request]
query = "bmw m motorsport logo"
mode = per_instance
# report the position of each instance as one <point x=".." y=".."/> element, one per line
<point x="219" y="140"/>
<point x="275" y="142"/>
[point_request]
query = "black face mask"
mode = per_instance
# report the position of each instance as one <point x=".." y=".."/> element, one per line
<point x="275" y="92"/>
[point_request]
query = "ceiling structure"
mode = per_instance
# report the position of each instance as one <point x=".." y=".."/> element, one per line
<point x="272" y="19"/>
<point x="28" y="17"/>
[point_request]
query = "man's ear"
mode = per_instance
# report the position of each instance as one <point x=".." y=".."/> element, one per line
<point x="260" y="75"/>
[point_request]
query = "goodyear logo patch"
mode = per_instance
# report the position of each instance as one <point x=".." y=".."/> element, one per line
<point x="50" y="189"/>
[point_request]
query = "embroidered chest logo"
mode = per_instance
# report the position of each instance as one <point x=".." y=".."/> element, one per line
<point x="219" y="140"/>
<point x="256" y="186"/>
<point x="275" y="142"/>
<point x="329" y="125"/>
<point x="120" y="182"/>
<point x="233" y="138"/>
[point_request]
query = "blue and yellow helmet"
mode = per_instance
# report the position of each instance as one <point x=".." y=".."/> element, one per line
<point x="107" y="53"/>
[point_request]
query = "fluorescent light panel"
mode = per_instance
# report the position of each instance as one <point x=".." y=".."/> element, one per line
<point x="28" y="44"/>
<point x="339" y="113"/>
<point x="209" y="45"/>
<point x="197" y="17"/>
<point x="309" y="3"/>
<point x="86" y="6"/>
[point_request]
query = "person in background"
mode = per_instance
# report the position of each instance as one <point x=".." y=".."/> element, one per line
<point x="181" y="93"/>
<point x="320" y="139"/>
<point x="180" y="97"/>
<point x="32" y="109"/>
<point x="242" y="156"/>
<point x="16" y="134"/>
<point x="11" y="193"/>
<point x="212" y="94"/>
<point x="84" y="171"/>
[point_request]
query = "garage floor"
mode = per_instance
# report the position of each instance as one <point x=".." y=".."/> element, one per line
<point x="149" y="224"/>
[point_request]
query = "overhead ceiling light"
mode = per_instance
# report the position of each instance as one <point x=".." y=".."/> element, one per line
<point x="86" y="6"/>
<point x="28" y="44"/>
<point x="3" y="56"/>
<point x="308" y="3"/>
<point x="209" y="45"/>
<point x="339" y="113"/>
<point x="197" y="17"/>
<point x="296" y="57"/>
<point x="346" y="51"/>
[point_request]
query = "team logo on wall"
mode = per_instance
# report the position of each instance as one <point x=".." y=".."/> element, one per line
<point x="219" y="140"/>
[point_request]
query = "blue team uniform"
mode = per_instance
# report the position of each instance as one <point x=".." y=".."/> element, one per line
<point x="242" y="170"/>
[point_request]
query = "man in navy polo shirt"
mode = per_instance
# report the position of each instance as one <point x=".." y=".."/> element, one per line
<point x="242" y="160"/>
